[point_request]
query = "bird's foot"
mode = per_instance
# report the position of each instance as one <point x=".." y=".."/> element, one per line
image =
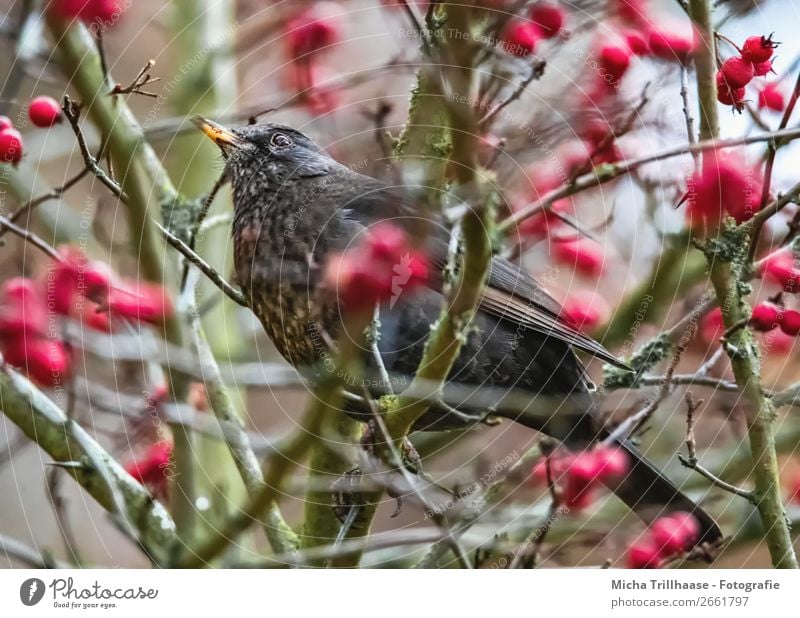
<point x="345" y="495"/>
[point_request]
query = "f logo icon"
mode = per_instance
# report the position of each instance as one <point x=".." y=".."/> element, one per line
<point x="31" y="591"/>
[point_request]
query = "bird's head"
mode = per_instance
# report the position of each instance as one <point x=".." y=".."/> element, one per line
<point x="265" y="153"/>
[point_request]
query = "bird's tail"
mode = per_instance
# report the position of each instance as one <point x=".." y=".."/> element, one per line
<point x="650" y="494"/>
<point x="644" y="489"/>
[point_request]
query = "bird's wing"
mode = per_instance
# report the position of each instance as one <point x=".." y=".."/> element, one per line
<point x="511" y="293"/>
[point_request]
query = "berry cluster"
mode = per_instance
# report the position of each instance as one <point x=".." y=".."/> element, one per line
<point x="313" y="31"/>
<point x="576" y="476"/>
<point x="768" y="316"/>
<point x="76" y="288"/>
<point x="379" y="269"/>
<point x="667" y="538"/>
<point x="545" y="20"/>
<point x="42" y="111"/>
<point x="754" y="60"/>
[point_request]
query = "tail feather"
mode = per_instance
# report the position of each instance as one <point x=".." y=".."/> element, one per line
<point x="645" y="489"/>
<point x="650" y="494"/>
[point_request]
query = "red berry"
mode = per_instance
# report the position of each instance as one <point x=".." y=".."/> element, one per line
<point x="151" y="468"/>
<point x="790" y="322"/>
<point x="583" y="257"/>
<point x="106" y="11"/>
<point x="313" y="28"/>
<point x="794" y="490"/>
<point x="584" y="312"/>
<point x="729" y="96"/>
<point x="771" y="97"/>
<point x="723" y="185"/>
<point x="644" y="554"/>
<point x="711" y="327"/>
<point x="675" y="534"/>
<point x="140" y="301"/>
<point x="23" y="311"/>
<point x="671" y="46"/>
<point x="10" y="146"/>
<point x="75" y="279"/>
<point x="581" y="477"/>
<point x="558" y="463"/>
<point x="381" y="268"/>
<point x="610" y="463"/>
<point x="45" y="361"/>
<point x="636" y="42"/>
<point x="44" y="112"/>
<point x="615" y="60"/>
<point x="5" y="123"/>
<point x="548" y="17"/>
<point x="780" y="268"/>
<point x="760" y="69"/>
<point x="765" y="317"/>
<point x="520" y="37"/>
<point x="777" y="342"/>
<point x="737" y="72"/>
<point x="758" y="48"/>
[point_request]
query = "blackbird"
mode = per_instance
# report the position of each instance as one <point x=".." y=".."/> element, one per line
<point x="295" y="206"/>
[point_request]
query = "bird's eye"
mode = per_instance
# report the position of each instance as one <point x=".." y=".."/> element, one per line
<point x="280" y="141"/>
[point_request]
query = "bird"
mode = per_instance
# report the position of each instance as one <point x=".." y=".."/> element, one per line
<point x="294" y="206"/>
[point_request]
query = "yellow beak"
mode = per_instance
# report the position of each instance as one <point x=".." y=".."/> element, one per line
<point x="221" y="136"/>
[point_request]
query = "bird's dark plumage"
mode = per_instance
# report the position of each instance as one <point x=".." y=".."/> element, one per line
<point x="295" y="206"/>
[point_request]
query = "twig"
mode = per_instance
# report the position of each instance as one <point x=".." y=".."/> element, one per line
<point x="103" y="478"/>
<point x="31" y="238"/>
<point x="208" y="200"/>
<point x="62" y="519"/>
<point x="609" y="172"/>
<point x="281" y="537"/>
<point x="687" y="113"/>
<point x="772" y="151"/>
<point x="140" y="81"/>
<point x="349" y="547"/>
<point x="632" y="424"/>
<point x="725" y="278"/>
<point x="481" y="502"/>
<point x="692" y="462"/>
<point x="396" y="462"/>
<point x="208" y="270"/>
<point x="72" y="113"/>
<point x="525" y="554"/>
<point x="17" y="550"/>
<point x="535" y="72"/>
<point x="276" y="465"/>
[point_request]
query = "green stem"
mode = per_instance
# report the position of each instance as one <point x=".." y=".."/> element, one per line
<point x="743" y="352"/>
<point x="141" y="177"/>
<point x="281" y="537"/>
<point x="326" y="404"/>
<point x="677" y="269"/>
<point x="705" y="63"/>
<point x="741" y="347"/>
<point x="65" y="441"/>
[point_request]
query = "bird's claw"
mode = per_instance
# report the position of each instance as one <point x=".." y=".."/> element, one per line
<point x="345" y="495"/>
